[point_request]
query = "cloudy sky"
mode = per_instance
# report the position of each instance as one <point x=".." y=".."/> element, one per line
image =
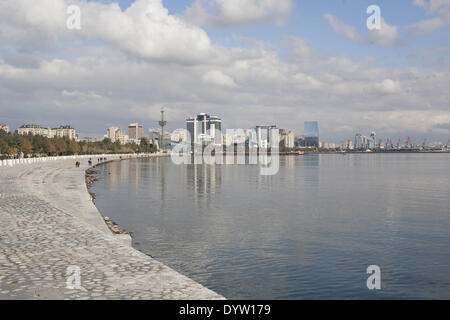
<point x="248" y="61"/>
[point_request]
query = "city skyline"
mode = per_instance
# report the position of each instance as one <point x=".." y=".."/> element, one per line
<point x="372" y="141"/>
<point x="292" y="61"/>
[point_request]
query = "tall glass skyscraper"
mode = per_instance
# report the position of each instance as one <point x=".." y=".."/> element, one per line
<point x="311" y="133"/>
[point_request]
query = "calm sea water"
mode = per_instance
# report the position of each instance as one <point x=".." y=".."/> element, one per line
<point x="309" y="232"/>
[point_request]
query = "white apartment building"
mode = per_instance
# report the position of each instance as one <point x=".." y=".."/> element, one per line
<point x="327" y="145"/>
<point x="287" y="139"/>
<point x="62" y="131"/>
<point x="115" y="134"/>
<point x="34" y="129"/>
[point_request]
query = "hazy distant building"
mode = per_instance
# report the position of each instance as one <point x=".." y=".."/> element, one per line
<point x="4" y="128"/>
<point x="373" y="140"/>
<point x="287" y="139"/>
<point x="178" y="135"/>
<point x="347" y="145"/>
<point x="154" y="134"/>
<point x="62" y="131"/>
<point x="33" y="129"/>
<point x="115" y="134"/>
<point x="362" y="142"/>
<point x="204" y="129"/>
<point x="327" y="145"/>
<point x="265" y="136"/>
<point x="111" y="133"/>
<point x="311" y="134"/>
<point x="299" y="142"/>
<point x="135" y="131"/>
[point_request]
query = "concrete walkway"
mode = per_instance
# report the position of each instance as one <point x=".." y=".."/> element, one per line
<point x="49" y="229"/>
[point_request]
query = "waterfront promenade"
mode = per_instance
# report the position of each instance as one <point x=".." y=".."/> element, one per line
<point x="49" y="227"/>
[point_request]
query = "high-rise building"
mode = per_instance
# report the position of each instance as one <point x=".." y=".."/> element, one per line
<point x="363" y="142"/>
<point x="115" y="134"/>
<point x="287" y="139"/>
<point x="265" y="136"/>
<point x="4" y="128"/>
<point x="204" y="129"/>
<point x="373" y="140"/>
<point x="135" y="131"/>
<point x="311" y="133"/>
<point x="162" y="124"/>
<point x="348" y="145"/>
<point x="111" y="133"/>
<point x="154" y="135"/>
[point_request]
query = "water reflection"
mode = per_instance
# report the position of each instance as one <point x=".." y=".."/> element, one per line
<point x="309" y="231"/>
<point x="311" y="172"/>
<point x="204" y="179"/>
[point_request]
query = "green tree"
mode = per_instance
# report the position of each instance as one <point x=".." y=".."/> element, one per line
<point x="74" y="147"/>
<point x="60" y="145"/>
<point x="3" y="146"/>
<point x="144" y="146"/>
<point x="27" y="147"/>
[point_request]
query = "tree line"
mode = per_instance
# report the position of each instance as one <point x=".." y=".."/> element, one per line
<point x="13" y="144"/>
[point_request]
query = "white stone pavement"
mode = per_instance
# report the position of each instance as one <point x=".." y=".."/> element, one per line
<point x="49" y="223"/>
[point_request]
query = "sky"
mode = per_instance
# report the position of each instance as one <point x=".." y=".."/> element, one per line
<point x="250" y="62"/>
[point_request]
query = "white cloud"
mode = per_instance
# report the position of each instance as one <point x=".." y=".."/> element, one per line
<point x="218" y="78"/>
<point x="440" y="9"/>
<point x="342" y="29"/>
<point x="223" y="13"/>
<point x="428" y="25"/>
<point x="37" y="25"/>
<point x="80" y="95"/>
<point x="388" y="86"/>
<point x="145" y="29"/>
<point x="386" y="36"/>
<point x="301" y="50"/>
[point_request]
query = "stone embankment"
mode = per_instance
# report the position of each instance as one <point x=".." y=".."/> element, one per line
<point x="54" y="244"/>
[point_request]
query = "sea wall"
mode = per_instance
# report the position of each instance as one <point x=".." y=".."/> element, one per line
<point x="52" y="235"/>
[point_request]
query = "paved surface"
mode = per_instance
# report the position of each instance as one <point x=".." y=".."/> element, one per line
<point x="48" y="224"/>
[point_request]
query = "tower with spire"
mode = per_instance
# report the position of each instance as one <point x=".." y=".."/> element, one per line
<point x="162" y="124"/>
